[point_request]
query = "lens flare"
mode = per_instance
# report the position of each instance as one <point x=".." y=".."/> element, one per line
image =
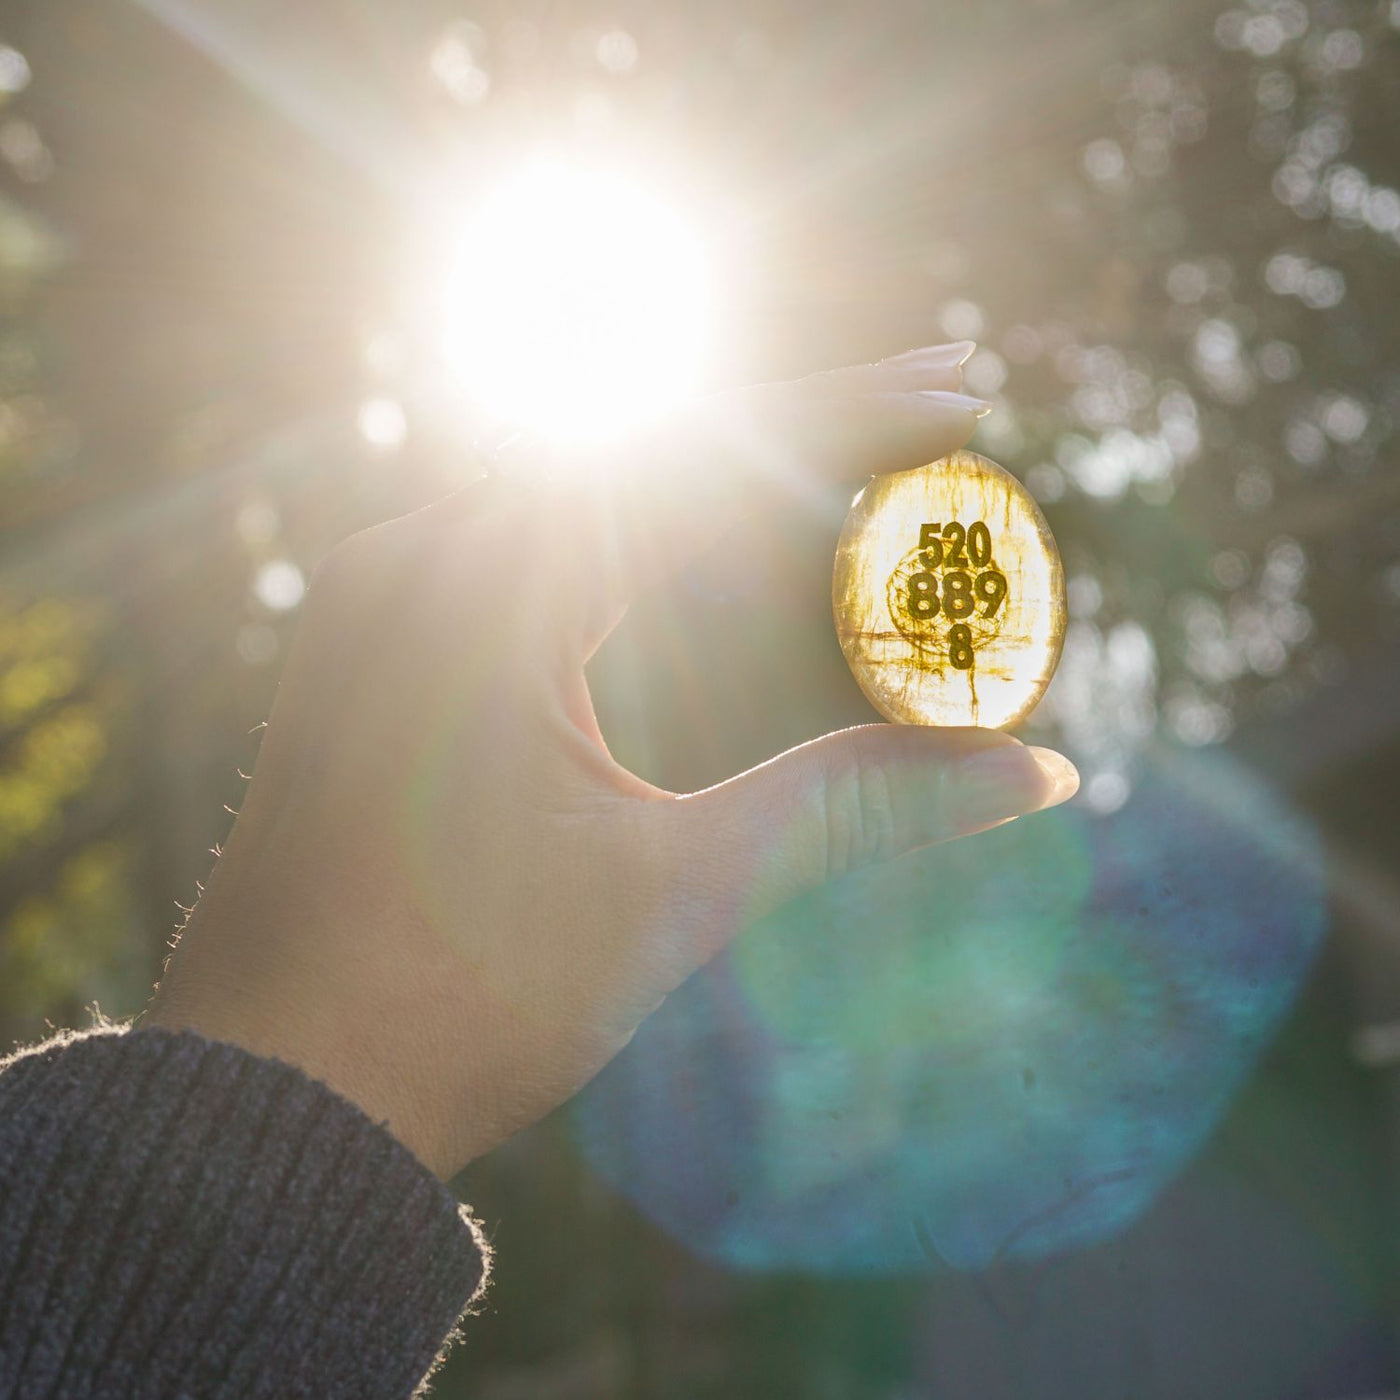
<point x="578" y="304"/>
<point x="998" y="1049"/>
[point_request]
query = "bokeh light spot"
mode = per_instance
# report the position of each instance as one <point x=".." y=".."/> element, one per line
<point x="14" y="70"/>
<point x="279" y="585"/>
<point x="383" y="424"/>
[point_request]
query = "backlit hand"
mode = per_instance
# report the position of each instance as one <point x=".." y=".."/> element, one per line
<point x="443" y="896"/>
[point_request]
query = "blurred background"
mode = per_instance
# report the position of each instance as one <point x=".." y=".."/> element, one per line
<point x="1102" y="1104"/>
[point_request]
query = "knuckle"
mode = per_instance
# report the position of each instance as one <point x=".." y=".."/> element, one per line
<point x="860" y="818"/>
<point x="338" y="570"/>
<point x="374" y="564"/>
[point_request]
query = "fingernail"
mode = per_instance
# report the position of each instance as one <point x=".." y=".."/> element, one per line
<point x="979" y="408"/>
<point x="1061" y="774"/>
<point x="952" y="355"/>
<point x="1012" y="780"/>
<point x="965" y="350"/>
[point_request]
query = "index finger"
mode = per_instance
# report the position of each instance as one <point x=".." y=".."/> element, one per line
<point x="670" y="494"/>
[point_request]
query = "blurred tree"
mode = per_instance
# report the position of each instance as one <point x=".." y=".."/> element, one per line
<point x="69" y="936"/>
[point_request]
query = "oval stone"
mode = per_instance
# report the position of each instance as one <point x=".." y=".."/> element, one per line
<point x="949" y="595"/>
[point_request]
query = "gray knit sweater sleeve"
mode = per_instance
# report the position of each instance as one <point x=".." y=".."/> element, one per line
<point x="179" y="1218"/>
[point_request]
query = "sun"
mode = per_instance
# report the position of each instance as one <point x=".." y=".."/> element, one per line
<point x="578" y="305"/>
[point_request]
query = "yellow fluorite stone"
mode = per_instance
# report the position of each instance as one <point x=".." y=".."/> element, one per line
<point x="949" y="595"/>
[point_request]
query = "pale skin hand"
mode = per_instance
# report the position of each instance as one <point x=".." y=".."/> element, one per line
<point x="443" y="897"/>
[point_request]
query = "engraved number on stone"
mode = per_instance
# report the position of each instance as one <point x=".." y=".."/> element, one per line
<point x="991" y="590"/>
<point x="960" y="646"/>
<point x="923" y="595"/>
<point x="958" y="601"/>
<point x="948" y="546"/>
<point x="979" y="543"/>
<point x="931" y="546"/>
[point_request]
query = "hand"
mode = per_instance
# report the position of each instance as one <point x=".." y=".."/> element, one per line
<point x="443" y="897"/>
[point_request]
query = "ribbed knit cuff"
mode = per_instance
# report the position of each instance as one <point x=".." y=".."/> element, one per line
<point x="182" y="1218"/>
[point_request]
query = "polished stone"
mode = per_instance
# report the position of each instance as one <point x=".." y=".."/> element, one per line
<point x="949" y="595"/>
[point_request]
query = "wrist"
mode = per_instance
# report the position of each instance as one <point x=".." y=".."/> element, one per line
<point x="274" y="971"/>
<point x="223" y="1019"/>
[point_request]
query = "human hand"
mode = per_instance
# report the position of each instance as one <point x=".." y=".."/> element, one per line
<point x="443" y="897"/>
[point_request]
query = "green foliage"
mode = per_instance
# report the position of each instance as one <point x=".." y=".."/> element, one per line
<point x="70" y="943"/>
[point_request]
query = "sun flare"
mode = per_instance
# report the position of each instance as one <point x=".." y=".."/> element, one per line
<point x="578" y="305"/>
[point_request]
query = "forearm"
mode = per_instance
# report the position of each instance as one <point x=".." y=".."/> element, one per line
<point x="179" y="1217"/>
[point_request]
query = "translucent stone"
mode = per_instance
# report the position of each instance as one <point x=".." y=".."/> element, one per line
<point x="949" y="595"/>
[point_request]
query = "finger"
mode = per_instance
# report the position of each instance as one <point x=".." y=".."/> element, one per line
<point x="675" y="492"/>
<point x="844" y="802"/>
<point x="928" y="367"/>
<point x="628" y="514"/>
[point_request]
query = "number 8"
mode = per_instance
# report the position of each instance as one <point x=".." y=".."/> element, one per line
<point x="922" y="598"/>
<point x="960" y="651"/>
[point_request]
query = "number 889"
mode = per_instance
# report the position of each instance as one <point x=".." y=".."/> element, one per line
<point x="961" y="594"/>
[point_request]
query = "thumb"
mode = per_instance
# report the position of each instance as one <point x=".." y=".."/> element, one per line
<point x="849" y="800"/>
